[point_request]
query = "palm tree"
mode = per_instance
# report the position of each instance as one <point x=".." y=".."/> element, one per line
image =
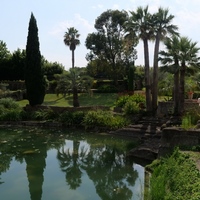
<point x="162" y="26"/>
<point x="140" y="23"/>
<point x="71" y="39"/>
<point x="75" y="77"/>
<point x="170" y="62"/>
<point x="188" y="58"/>
<point x="181" y="53"/>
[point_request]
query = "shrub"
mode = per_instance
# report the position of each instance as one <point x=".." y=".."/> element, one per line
<point x="131" y="107"/>
<point x="175" y="177"/>
<point x="9" y="103"/>
<point x="72" y="118"/>
<point x="9" y="110"/>
<point x="121" y="101"/>
<point x="103" y="119"/>
<point x="131" y="104"/>
<point x="47" y="114"/>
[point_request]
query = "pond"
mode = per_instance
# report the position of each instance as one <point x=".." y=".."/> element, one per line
<point x="40" y="164"/>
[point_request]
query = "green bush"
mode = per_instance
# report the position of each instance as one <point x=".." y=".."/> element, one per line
<point x="72" y="118"/>
<point x="175" y="177"/>
<point x="9" y="110"/>
<point x="131" y="104"/>
<point x="9" y="103"/>
<point x="122" y="100"/>
<point x="131" y="107"/>
<point x="103" y="119"/>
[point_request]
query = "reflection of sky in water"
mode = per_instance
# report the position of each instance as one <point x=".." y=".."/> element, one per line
<point x="54" y="186"/>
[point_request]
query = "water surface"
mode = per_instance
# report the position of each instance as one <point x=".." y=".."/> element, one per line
<point x="40" y="164"/>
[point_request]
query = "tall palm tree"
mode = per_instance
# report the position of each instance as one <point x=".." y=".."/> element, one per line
<point x="188" y="58"/>
<point x="140" y="23"/>
<point x="71" y="39"/>
<point x="170" y="62"/>
<point x="162" y="26"/>
<point x="181" y="53"/>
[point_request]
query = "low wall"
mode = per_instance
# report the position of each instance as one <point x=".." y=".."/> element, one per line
<point x="166" y="107"/>
<point x="176" y="137"/>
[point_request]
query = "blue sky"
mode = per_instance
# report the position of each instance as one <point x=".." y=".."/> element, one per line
<point x="55" y="16"/>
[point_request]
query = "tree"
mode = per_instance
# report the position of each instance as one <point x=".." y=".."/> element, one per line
<point x="108" y="43"/>
<point x="181" y="54"/>
<point x="162" y="26"/>
<point x="170" y="62"/>
<point x="140" y="23"/>
<point x="75" y="77"/>
<point x="4" y="53"/>
<point x="71" y="39"/>
<point x="5" y="58"/>
<point x="34" y="79"/>
<point x="188" y="58"/>
<point x="18" y="64"/>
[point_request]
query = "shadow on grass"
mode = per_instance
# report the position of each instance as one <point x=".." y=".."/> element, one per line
<point x="52" y="102"/>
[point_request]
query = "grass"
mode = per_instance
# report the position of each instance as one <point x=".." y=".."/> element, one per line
<point x="175" y="177"/>
<point x="105" y="99"/>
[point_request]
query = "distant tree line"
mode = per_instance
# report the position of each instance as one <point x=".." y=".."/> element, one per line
<point x="12" y="65"/>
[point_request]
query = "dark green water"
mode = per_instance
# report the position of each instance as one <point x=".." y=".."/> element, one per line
<point x="40" y="164"/>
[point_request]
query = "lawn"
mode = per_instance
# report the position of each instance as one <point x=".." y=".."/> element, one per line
<point x="105" y="99"/>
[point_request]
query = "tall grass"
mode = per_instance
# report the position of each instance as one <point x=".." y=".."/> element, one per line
<point x="175" y="177"/>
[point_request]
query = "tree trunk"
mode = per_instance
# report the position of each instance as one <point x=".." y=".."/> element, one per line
<point x="72" y="59"/>
<point x="147" y="76"/>
<point x="155" y="75"/>
<point x="176" y="96"/>
<point x="75" y="97"/>
<point x="182" y="87"/>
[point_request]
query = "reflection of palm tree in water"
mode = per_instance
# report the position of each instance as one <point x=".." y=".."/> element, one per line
<point x="106" y="167"/>
<point x="110" y="180"/>
<point x="70" y="164"/>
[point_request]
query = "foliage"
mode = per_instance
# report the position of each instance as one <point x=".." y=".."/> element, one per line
<point x="124" y="98"/>
<point x="109" y="44"/>
<point x="9" y="110"/>
<point x="131" y="107"/>
<point x="76" y="77"/>
<point x="72" y="118"/>
<point x="104" y="119"/>
<point x="9" y="103"/>
<point x="50" y="69"/>
<point x="190" y="118"/>
<point x="175" y="177"/>
<point x="47" y="114"/>
<point x="34" y="78"/>
<point x="71" y="39"/>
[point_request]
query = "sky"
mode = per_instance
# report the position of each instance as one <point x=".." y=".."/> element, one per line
<point x="54" y="17"/>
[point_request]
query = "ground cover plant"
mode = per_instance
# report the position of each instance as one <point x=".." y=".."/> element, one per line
<point x="174" y="177"/>
<point x="9" y="110"/>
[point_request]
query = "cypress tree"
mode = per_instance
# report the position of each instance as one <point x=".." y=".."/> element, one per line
<point x="34" y="78"/>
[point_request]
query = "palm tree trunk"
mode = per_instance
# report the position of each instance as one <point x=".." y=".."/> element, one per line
<point x="147" y="76"/>
<point x="72" y="59"/>
<point x="182" y="87"/>
<point x="155" y="75"/>
<point x="176" y="96"/>
<point x="75" y="90"/>
<point x="75" y="97"/>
